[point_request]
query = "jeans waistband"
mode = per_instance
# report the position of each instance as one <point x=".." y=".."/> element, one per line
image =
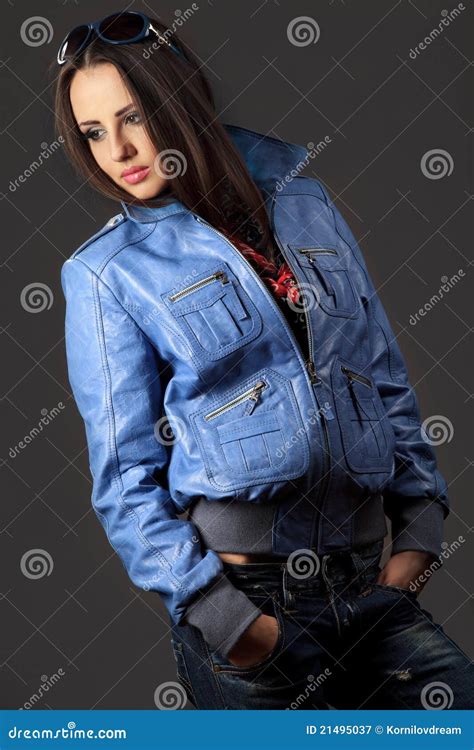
<point x="304" y="569"/>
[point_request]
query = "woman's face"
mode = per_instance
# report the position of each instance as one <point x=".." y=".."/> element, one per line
<point x="117" y="138"/>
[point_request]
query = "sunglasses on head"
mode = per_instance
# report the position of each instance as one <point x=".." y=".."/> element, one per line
<point x="118" y="28"/>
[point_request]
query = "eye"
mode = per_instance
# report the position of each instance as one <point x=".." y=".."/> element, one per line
<point x="135" y="118"/>
<point x="94" y="134"/>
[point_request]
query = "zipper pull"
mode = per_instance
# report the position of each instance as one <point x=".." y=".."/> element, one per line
<point x="253" y="399"/>
<point x="356" y="376"/>
<point x="313" y="375"/>
<point x="327" y="411"/>
<point x="222" y="277"/>
<point x="349" y="377"/>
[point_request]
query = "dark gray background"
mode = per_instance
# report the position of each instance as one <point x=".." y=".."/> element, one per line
<point x="383" y="111"/>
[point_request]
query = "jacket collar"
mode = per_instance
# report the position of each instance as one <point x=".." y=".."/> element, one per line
<point x="268" y="160"/>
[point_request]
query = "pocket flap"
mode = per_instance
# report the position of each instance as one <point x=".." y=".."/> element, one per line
<point x="248" y="427"/>
<point x="200" y="301"/>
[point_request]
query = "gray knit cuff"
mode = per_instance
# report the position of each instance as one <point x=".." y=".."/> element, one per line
<point x="418" y="524"/>
<point x="222" y="613"/>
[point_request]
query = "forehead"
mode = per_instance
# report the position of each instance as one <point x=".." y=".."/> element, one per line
<point x="97" y="91"/>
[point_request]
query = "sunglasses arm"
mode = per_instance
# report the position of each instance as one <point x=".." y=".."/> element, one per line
<point x="162" y="38"/>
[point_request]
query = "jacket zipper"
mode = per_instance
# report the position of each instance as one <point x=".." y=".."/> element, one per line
<point x="317" y="250"/>
<point x="198" y="284"/>
<point x="252" y="393"/>
<point x="356" y="376"/>
<point x="314" y="378"/>
<point x="309" y="365"/>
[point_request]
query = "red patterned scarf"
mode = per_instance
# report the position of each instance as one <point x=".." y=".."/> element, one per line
<point x="279" y="279"/>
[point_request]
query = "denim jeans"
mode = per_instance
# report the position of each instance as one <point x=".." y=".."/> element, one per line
<point x="345" y="642"/>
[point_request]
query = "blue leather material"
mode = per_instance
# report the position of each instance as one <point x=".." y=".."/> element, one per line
<point x="168" y="326"/>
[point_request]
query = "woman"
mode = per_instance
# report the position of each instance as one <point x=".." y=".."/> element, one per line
<point x="247" y="409"/>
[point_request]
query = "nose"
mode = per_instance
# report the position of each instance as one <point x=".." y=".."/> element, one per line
<point x="120" y="148"/>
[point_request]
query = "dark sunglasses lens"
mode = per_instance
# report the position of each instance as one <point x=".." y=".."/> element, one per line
<point x="74" y="42"/>
<point x="121" y="26"/>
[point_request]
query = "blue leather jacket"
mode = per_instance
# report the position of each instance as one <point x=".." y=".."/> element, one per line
<point x="168" y="325"/>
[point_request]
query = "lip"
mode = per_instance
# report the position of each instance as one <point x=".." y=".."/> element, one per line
<point x="135" y="174"/>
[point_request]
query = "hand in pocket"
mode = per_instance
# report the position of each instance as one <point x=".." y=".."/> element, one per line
<point x="256" y="643"/>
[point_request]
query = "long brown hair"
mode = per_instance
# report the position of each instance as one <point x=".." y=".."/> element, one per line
<point x="177" y="106"/>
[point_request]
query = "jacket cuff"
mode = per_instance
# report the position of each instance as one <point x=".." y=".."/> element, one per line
<point x="222" y="613"/>
<point x="417" y="524"/>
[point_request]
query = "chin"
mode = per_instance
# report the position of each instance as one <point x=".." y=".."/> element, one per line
<point x="144" y="191"/>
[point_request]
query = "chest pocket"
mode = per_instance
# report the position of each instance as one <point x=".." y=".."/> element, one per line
<point x="327" y="267"/>
<point x="214" y="312"/>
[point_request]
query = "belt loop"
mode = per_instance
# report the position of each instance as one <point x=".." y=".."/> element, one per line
<point x="288" y="597"/>
<point x="359" y="567"/>
<point x="324" y="563"/>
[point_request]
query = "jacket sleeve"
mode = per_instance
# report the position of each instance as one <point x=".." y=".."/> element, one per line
<point x="416" y="498"/>
<point x="113" y="373"/>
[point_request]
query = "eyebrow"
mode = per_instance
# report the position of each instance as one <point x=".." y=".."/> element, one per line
<point x="117" y="114"/>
